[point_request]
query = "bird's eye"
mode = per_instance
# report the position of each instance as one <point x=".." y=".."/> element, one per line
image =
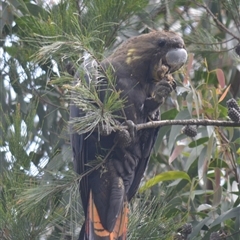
<point x="161" y="42"/>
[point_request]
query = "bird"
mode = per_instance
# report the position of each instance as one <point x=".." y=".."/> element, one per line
<point x="142" y="67"/>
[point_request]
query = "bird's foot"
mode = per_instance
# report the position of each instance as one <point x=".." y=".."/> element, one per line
<point x="164" y="88"/>
<point x="169" y="78"/>
<point x="124" y="137"/>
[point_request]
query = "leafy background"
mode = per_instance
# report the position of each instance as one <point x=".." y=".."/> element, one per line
<point x="192" y="181"/>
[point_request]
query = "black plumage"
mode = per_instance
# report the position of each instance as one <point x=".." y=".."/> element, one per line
<point x="142" y="68"/>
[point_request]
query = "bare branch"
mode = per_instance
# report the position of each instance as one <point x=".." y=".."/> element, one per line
<point x="198" y="122"/>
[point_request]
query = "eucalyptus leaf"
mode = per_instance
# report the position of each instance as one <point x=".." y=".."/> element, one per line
<point x="198" y="142"/>
<point x="232" y="213"/>
<point x="167" y="176"/>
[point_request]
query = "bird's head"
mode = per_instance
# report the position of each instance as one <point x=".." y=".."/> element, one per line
<point x="150" y="56"/>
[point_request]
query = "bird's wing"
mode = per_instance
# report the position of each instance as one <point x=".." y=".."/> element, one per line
<point x="102" y="191"/>
<point x="147" y="145"/>
<point x="80" y="155"/>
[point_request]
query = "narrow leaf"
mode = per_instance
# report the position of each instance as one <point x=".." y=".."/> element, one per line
<point x="176" y="152"/>
<point x="220" y="77"/>
<point x="217" y="188"/>
<point x="202" y="165"/>
<point x="170" y="114"/>
<point x="189" y="68"/>
<point x="166" y="176"/>
<point x="198" y="227"/>
<point x="218" y="163"/>
<point x="224" y="94"/>
<point x="198" y="142"/>
<point x="232" y="213"/>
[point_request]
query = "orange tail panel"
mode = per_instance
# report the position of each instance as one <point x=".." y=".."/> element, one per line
<point x="94" y="229"/>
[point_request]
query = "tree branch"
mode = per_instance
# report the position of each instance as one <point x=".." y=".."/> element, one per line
<point x="197" y="122"/>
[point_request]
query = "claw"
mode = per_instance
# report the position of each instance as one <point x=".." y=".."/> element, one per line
<point x="131" y="129"/>
<point x="159" y="71"/>
<point x="161" y="91"/>
<point x="171" y="81"/>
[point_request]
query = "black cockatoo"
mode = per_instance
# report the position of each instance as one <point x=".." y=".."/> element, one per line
<point x="142" y="68"/>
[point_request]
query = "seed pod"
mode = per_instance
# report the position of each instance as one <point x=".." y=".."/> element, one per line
<point x="190" y="130"/>
<point x="215" y="236"/>
<point x="187" y="228"/>
<point x="123" y="138"/>
<point x="232" y="103"/>
<point x="234" y="114"/>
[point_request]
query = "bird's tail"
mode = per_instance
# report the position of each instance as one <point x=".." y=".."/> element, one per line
<point x="94" y="230"/>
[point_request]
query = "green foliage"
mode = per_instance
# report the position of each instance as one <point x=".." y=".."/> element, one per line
<point x="188" y="180"/>
<point x="149" y="220"/>
<point x="167" y="176"/>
